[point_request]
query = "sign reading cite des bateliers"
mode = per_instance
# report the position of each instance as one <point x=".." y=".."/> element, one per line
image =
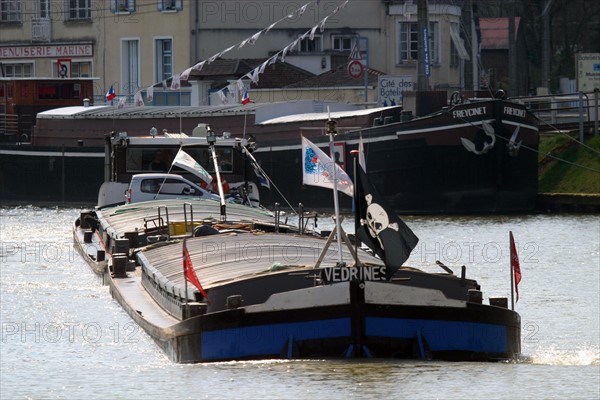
<point x="390" y="89"/>
<point x="50" y="50"/>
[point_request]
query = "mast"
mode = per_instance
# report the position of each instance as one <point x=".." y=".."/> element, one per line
<point x="331" y="131"/>
<point x="211" y="138"/>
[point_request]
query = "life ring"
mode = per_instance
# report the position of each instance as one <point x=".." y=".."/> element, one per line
<point x="456" y="98"/>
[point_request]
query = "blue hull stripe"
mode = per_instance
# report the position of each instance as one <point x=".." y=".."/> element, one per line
<point x="442" y="335"/>
<point x="264" y="340"/>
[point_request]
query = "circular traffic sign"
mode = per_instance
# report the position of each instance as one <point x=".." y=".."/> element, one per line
<point x="355" y="69"/>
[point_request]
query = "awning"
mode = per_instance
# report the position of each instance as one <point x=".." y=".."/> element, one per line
<point x="458" y="42"/>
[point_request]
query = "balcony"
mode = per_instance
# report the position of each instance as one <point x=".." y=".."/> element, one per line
<point x="40" y="29"/>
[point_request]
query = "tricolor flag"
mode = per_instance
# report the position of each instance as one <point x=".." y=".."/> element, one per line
<point x="185" y="161"/>
<point x="245" y="97"/>
<point x="318" y="169"/>
<point x="189" y="273"/>
<point x="110" y="94"/>
<point x="514" y="264"/>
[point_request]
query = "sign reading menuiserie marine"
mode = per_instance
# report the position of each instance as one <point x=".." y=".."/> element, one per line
<point x="588" y="71"/>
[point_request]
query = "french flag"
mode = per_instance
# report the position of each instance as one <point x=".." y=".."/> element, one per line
<point x="110" y="94"/>
<point x="245" y="97"/>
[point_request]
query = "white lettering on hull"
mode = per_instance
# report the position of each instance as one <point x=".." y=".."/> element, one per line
<point x="514" y="111"/>
<point x="469" y="112"/>
<point x="375" y="273"/>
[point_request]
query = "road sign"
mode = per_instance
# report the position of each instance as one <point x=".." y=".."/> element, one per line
<point x="355" y="53"/>
<point x="355" y="69"/>
<point x="588" y="71"/>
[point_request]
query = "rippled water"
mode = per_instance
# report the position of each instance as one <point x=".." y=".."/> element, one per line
<point x="63" y="336"/>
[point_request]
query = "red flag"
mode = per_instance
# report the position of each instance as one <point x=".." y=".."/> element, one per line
<point x="188" y="271"/>
<point x="514" y="263"/>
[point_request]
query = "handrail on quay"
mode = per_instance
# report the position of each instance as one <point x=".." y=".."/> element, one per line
<point x="566" y="111"/>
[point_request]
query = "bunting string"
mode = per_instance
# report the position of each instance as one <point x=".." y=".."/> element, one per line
<point x="253" y="75"/>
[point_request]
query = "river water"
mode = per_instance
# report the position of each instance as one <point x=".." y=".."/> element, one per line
<point x="63" y="336"/>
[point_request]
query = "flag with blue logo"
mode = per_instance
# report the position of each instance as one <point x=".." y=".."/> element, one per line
<point x="318" y="169"/>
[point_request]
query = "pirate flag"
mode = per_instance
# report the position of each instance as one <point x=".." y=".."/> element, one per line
<point x="379" y="227"/>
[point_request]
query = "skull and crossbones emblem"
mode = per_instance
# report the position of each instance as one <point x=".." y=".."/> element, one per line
<point x="377" y="219"/>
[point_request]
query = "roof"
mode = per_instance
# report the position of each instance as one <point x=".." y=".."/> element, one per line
<point x="103" y="112"/>
<point x="338" y="77"/>
<point x="321" y="116"/>
<point x="494" y="32"/>
<point x="110" y="112"/>
<point x="277" y="75"/>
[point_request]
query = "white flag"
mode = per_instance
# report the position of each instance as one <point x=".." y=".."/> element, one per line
<point x="318" y="169"/>
<point x="175" y="82"/>
<point x="312" y="32"/>
<point x="254" y="38"/>
<point x="185" y="161"/>
<point x="150" y="93"/>
<point x="185" y="74"/>
<point x="361" y="155"/>
<point x="122" y="101"/>
<point x="138" y="100"/>
<point x="198" y="67"/>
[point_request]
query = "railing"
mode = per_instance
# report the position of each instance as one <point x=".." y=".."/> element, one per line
<point x="9" y="127"/>
<point x="565" y="111"/>
<point x="16" y="129"/>
<point x="40" y="30"/>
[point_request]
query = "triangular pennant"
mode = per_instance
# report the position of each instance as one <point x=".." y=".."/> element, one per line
<point x="312" y="32"/>
<point x="138" y="100"/>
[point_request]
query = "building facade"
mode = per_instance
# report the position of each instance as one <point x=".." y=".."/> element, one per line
<point x="135" y="44"/>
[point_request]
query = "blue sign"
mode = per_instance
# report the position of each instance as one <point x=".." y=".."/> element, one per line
<point x="426" y="60"/>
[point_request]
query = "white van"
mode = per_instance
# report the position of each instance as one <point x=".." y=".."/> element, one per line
<point x="145" y="187"/>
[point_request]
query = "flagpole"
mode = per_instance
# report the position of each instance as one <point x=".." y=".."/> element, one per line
<point x="185" y="281"/>
<point x="211" y="138"/>
<point x="356" y="154"/>
<point x="512" y="273"/>
<point x="331" y="130"/>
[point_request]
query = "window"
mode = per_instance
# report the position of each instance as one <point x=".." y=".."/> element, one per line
<point x="310" y="46"/>
<point x="170" y="5"/>
<point x="122" y="6"/>
<point x="341" y="42"/>
<point x="454" y="58"/>
<point x="10" y="11"/>
<point x="130" y="66"/>
<point x="18" y="70"/>
<point x="172" y="98"/>
<point x="164" y="59"/>
<point x="408" y="33"/>
<point x="42" y="9"/>
<point x="58" y="91"/>
<point x="81" y="69"/>
<point x="434" y="43"/>
<point x="79" y="9"/>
